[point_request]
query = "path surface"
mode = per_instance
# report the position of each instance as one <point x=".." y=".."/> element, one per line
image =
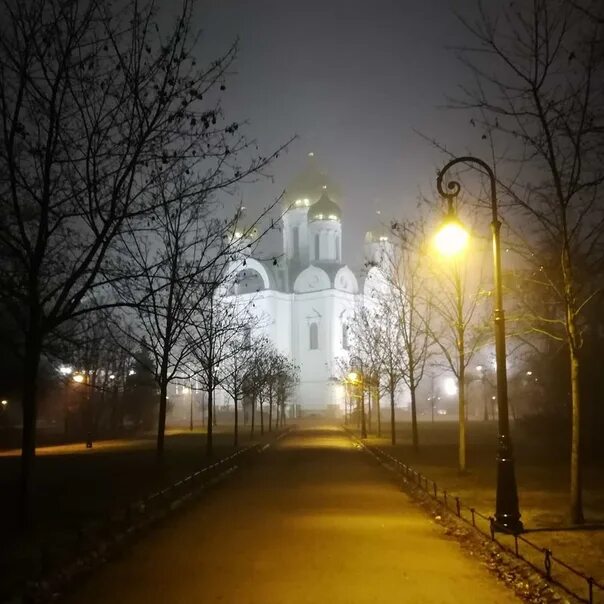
<point x="314" y="520"/>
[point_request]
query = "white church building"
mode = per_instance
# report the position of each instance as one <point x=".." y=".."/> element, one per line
<point x="305" y="297"/>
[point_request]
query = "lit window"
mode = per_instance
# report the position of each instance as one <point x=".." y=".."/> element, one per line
<point x="332" y="217"/>
<point x="317" y="246"/>
<point x="345" y="344"/>
<point x="314" y="336"/>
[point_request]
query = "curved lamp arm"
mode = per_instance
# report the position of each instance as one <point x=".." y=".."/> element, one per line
<point x="454" y="187"/>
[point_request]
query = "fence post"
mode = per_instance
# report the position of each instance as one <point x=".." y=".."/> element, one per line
<point x="492" y="527"/>
<point x="458" y="506"/>
<point x="548" y="563"/>
<point x="590" y="585"/>
<point x="516" y="544"/>
<point x="435" y="490"/>
<point x="445" y="498"/>
<point x="473" y="512"/>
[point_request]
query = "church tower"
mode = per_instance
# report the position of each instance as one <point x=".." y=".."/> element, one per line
<point x="325" y="231"/>
<point x="299" y="196"/>
<point x="378" y="247"/>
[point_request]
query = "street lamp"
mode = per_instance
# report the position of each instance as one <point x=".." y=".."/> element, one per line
<point x="357" y="378"/>
<point x="507" y="513"/>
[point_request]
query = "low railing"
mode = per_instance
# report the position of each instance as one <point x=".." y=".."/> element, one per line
<point x="89" y="546"/>
<point x="488" y="527"/>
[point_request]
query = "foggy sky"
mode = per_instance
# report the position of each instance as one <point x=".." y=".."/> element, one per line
<point x="354" y="80"/>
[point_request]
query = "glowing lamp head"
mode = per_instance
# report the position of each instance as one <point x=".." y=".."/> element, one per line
<point x="353" y="376"/>
<point x="452" y="238"/>
<point x="78" y="377"/>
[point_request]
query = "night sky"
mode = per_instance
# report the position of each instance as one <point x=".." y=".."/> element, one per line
<point x="355" y="81"/>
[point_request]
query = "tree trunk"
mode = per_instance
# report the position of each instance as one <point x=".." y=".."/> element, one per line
<point x="392" y="415"/>
<point x="163" y="400"/>
<point x="191" y="409"/>
<point x="414" y="434"/>
<point x="236" y="427"/>
<point x="461" y="371"/>
<point x="253" y="417"/>
<point x="376" y="396"/>
<point x="462" y="413"/>
<point x="368" y="405"/>
<point x="33" y="352"/>
<point x="270" y="409"/>
<point x="114" y="411"/>
<point x="576" y="486"/>
<point x="209" y="435"/>
<point x="261" y="418"/>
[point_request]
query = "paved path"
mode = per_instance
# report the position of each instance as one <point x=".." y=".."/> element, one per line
<point x="314" y="520"/>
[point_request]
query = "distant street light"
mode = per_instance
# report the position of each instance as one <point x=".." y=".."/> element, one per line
<point x="80" y="378"/>
<point x="4" y="403"/>
<point x="507" y="513"/>
<point x="357" y="378"/>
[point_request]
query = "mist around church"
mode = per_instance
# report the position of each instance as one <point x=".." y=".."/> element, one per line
<point x="301" y="302"/>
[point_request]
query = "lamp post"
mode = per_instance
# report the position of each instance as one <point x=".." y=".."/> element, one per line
<point x="358" y="380"/>
<point x="507" y="513"/>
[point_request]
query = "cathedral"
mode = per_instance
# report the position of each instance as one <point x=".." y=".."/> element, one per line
<point x="305" y="298"/>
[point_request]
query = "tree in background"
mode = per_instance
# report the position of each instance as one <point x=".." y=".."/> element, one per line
<point x="409" y="305"/>
<point x="456" y="295"/>
<point x="368" y="331"/>
<point x="538" y="96"/>
<point x="98" y="103"/>
<point x="218" y="330"/>
<point x="236" y="369"/>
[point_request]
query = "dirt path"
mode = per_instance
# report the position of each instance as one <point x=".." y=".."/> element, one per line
<point x="315" y="521"/>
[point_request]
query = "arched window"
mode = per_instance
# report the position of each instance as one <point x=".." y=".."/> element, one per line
<point x="317" y="246"/>
<point x="345" y="343"/>
<point x="337" y="248"/>
<point x="314" y="336"/>
<point x="296" y="241"/>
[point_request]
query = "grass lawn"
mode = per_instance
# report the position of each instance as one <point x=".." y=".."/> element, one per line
<point x="77" y="487"/>
<point x="542" y="473"/>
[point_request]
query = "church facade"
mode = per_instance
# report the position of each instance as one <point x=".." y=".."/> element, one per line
<point x="304" y="299"/>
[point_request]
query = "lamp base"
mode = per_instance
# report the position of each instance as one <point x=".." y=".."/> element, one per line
<point x="507" y="512"/>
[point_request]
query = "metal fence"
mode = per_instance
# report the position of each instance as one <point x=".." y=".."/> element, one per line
<point x="541" y="559"/>
<point x="58" y="565"/>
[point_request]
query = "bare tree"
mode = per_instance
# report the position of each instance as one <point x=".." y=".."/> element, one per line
<point x="409" y="305"/>
<point x="237" y="367"/>
<point x="169" y="258"/>
<point x="96" y="105"/>
<point x="368" y="331"/>
<point x="457" y="327"/>
<point x="215" y="332"/>
<point x="539" y="95"/>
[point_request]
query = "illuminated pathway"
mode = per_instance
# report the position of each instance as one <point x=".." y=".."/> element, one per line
<point x="314" y="520"/>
